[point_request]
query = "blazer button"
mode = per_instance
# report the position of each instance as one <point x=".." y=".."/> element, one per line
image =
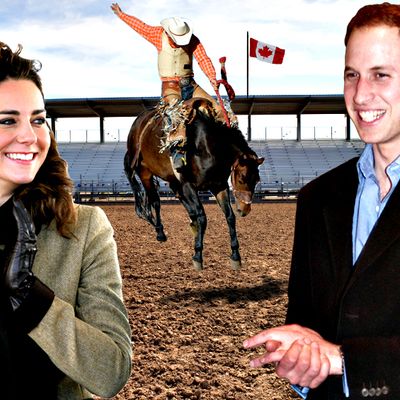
<point x="364" y="392"/>
<point x="372" y="392"/>
<point x="385" y="390"/>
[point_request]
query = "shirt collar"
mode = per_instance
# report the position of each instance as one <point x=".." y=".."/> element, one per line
<point x="365" y="165"/>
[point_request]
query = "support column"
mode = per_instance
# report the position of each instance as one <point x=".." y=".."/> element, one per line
<point x="298" y="130"/>
<point x="101" y="129"/>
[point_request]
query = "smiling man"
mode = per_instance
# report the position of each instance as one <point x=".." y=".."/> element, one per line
<point x="342" y="332"/>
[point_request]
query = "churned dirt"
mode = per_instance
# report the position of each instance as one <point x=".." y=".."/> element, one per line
<point x="188" y="326"/>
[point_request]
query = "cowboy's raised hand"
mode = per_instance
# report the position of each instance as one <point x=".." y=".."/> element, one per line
<point x="18" y="277"/>
<point x="116" y="9"/>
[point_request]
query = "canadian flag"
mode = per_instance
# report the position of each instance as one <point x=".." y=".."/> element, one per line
<point x="266" y="52"/>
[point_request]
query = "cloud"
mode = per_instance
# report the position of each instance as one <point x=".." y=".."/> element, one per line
<point x="86" y="51"/>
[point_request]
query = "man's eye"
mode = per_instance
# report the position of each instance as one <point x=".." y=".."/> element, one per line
<point x="381" y="75"/>
<point x="350" y="75"/>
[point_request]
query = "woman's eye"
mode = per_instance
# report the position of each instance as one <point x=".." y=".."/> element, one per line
<point x="39" y="121"/>
<point x="7" y="121"/>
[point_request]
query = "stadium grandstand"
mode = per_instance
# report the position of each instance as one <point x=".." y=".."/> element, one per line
<point x="97" y="168"/>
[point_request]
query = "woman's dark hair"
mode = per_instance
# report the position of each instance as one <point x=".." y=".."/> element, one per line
<point x="374" y="15"/>
<point x="49" y="195"/>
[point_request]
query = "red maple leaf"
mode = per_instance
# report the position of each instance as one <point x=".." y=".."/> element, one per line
<point x="265" y="52"/>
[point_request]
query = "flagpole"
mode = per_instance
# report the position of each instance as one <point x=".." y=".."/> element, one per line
<point x="247" y="75"/>
<point x="249" y="114"/>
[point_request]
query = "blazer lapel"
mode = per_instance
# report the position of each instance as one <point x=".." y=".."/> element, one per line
<point x="338" y="214"/>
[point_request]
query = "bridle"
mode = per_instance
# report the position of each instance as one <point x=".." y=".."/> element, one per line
<point x="243" y="195"/>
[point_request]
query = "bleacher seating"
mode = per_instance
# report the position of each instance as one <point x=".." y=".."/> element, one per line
<point x="289" y="164"/>
<point x="292" y="163"/>
<point x="96" y="166"/>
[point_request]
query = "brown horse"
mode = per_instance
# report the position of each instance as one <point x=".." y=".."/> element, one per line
<point x="214" y="152"/>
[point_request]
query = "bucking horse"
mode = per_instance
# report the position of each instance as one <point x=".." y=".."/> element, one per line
<point x="214" y="152"/>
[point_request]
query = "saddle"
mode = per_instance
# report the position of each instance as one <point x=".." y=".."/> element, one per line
<point x="173" y="118"/>
<point x="177" y="115"/>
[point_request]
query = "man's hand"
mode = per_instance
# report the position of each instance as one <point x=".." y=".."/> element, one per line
<point x="300" y="354"/>
<point x="214" y="84"/>
<point x="116" y="9"/>
<point x="19" y="277"/>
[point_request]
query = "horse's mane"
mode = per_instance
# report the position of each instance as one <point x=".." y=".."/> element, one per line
<point x="230" y="134"/>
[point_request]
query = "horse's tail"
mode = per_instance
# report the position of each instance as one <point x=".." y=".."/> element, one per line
<point x="141" y="204"/>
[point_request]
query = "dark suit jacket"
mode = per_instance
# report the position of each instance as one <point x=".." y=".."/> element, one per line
<point x="355" y="306"/>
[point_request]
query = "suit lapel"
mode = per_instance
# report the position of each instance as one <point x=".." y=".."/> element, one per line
<point x="338" y="214"/>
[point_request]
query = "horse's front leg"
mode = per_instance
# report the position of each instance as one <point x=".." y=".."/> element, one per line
<point x="154" y="204"/>
<point x="225" y="204"/>
<point x="191" y="201"/>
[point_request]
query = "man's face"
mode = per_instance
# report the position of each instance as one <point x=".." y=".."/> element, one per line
<point x="372" y="84"/>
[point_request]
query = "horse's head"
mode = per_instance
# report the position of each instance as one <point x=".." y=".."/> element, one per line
<point x="244" y="178"/>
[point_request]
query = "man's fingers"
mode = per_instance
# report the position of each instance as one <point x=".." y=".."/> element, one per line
<point x="267" y="358"/>
<point x="256" y="340"/>
<point x="294" y="362"/>
<point x="323" y="374"/>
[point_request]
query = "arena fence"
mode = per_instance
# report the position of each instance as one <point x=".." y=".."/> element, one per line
<point x="97" y="169"/>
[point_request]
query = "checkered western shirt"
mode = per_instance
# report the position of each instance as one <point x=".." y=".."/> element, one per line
<point x="153" y="34"/>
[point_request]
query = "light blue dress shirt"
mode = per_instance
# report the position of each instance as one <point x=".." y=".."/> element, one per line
<point x="367" y="209"/>
<point x="369" y="206"/>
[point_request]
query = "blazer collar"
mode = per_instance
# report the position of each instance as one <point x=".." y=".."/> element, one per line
<point x="338" y="214"/>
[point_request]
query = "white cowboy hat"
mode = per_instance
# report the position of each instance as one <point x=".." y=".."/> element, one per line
<point x="178" y="29"/>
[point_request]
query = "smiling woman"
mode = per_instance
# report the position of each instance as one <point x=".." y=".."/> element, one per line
<point x="59" y="309"/>
<point x="24" y="135"/>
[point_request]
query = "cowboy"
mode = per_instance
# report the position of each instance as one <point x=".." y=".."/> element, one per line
<point x="176" y="45"/>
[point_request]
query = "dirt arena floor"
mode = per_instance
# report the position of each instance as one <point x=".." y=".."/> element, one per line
<point x="188" y="326"/>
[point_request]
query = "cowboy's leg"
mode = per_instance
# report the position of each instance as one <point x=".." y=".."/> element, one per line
<point x="171" y="93"/>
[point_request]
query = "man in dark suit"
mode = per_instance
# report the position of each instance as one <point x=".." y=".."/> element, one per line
<point x="342" y="332"/>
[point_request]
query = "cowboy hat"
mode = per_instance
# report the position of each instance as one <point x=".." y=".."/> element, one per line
<point x="178" y="29"/>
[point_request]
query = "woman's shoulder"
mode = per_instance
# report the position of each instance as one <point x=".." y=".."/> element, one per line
<point x="88" y="211"/>
<point x="93" y="216"/>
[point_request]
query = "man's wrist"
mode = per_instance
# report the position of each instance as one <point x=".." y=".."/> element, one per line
<point x="337" y="361"/>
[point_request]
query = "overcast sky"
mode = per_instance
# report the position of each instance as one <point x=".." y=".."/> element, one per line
<point x="86" y="51"/>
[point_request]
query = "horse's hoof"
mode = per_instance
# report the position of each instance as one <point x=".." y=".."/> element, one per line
<point x="236" y="264"/>
<point x="161" y="237"/>
<point x="198" y="265"/>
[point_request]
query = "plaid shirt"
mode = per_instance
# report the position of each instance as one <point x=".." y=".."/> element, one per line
<point x="153" y="34"/>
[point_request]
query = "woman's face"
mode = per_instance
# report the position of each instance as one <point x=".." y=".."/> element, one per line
<point x="24" y="135"/>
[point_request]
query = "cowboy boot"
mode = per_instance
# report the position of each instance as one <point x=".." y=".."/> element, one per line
<point x="178" y="157"/>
